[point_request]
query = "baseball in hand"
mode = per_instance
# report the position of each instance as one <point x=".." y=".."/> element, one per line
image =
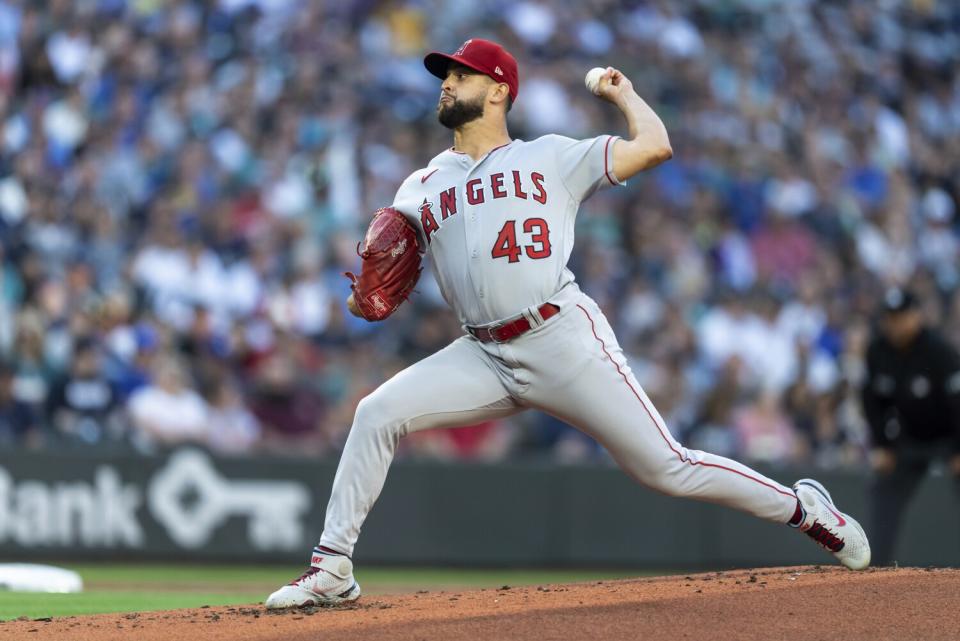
<point x="592" y="80"/>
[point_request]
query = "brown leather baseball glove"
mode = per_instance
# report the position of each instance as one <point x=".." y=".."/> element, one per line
<point x="391" y="265"/>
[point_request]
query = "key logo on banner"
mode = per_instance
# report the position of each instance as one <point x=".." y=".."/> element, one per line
<point x="273" y="508"/>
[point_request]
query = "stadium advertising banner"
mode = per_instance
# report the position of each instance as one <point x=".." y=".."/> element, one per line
<point x="189" y="505"/>
<point x="185" y="502"/>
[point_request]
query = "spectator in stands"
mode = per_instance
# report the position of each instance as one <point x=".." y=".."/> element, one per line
<point x="713" y="425"/>
<point x="20" y="425"/>
<point x="291" y="414"/>
<point x="168" y="411"/>
<point x="183" y="175"/>
<point x="32" y="373"/>
<point x="487" y="441"/>
<point x="83" y="405"/>
<point x="231" y="426"/>
<point x="11" y="296"/>
<point x="765" y="433"/>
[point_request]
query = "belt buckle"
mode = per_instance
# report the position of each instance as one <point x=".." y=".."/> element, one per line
<point x="493" y="335"/>
<point x="478" y="332"/>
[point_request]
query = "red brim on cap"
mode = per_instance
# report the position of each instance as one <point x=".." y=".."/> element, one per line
<point x="437" y="64"/>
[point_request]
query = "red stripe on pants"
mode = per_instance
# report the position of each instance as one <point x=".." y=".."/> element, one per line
<point x="660" y="429"/>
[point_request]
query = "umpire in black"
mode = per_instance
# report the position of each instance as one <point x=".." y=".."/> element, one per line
<point x="911" y="397"/>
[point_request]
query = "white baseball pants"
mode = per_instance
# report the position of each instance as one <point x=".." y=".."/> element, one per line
<point x="572" y="367"/>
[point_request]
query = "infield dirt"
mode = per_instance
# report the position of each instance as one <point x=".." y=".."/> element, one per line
<point x="809" y="603"/>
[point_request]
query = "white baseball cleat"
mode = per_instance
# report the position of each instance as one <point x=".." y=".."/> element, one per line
<point x="833" y="530"/>
<point x="328" y="580"/>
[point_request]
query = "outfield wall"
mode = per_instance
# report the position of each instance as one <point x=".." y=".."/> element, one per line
<point x="191" y="506"/>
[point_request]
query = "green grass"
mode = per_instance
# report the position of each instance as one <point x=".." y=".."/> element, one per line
<point x="144" y="573"/>
<point x="130" y="588"/>
<point x="271" y="575"/>
<point x="18" y="604"/>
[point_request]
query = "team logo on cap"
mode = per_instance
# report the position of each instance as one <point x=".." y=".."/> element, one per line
<point x="498" y="71"/>
<point x="463" y="47"/>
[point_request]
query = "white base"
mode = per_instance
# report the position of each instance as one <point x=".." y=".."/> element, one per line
<point x="28" y="577"/>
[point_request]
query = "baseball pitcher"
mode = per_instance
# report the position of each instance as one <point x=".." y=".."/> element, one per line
<point x="496" y="215"/>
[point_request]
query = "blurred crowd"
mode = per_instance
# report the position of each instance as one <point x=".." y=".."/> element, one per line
<point x="182" y="184"/>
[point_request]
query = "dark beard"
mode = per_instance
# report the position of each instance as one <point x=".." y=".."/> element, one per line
<point x="459" y="113"/>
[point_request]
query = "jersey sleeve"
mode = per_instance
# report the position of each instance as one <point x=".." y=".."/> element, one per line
<point x="404" y="192"/>
<point x="405" y="201"/>
<point x="585" y="165"/>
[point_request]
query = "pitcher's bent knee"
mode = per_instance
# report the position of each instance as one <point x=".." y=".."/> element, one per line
<point x="374" y="417"/>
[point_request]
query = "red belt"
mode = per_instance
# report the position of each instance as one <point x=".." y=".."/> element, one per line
<point x="507" y="331"/>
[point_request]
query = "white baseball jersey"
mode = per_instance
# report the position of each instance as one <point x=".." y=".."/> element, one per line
<point x="500" y="229"/>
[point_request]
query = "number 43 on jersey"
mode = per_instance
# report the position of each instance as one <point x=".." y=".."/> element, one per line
<point x="506" y="244"/>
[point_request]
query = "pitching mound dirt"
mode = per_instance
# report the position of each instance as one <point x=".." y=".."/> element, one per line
<point x="771" y="603"/>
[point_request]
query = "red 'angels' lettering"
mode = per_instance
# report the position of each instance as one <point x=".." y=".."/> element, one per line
<point x="476" y="191"/>
<point x="517" y="190"/>
<point x="476" y="194"/>
<point x="506" y="244"/>
<point x="427" y="221"/>
<point x="496" y="185"/>
<point x="448" y="203"/>
<point x="541" y="195"/>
